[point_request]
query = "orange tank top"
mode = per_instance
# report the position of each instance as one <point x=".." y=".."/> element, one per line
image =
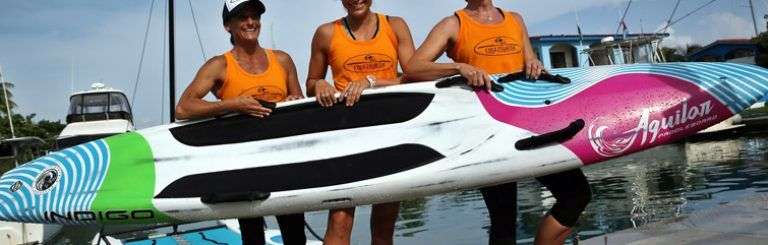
<point x="269" y="85"/>
<point x="495" y="48"/>
<point x="353" y="60"/>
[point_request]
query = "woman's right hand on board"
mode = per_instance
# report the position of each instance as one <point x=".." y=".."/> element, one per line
<point x="248" y="105"/>
<point x="476" y="77"/>
<point x="325" y="93"/>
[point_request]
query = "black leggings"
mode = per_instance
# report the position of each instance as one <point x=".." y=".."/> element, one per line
<point x="570" y="189"/>
<point x="501" y="201"/>
<point x="291" y="227"/>
<point x="572" y="194"/>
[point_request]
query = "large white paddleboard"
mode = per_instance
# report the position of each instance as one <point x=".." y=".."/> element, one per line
<point x="397" y="143"/>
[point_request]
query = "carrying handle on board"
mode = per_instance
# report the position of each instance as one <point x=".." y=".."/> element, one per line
<point x="215" y="198"/>
<point x="543" y="77"/>
<point x="459" y="80"/>
<point x="267" y="104"/>
<point x="558" y="136"/>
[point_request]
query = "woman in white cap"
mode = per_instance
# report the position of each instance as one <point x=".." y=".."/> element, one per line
<point x="240" y="78"/>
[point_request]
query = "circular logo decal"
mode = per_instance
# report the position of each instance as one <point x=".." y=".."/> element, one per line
<point x="16" y="186"/>
<point x="498" y="46"/>
<point x="47" y="179"/>
<point x="368" y="63"/>
<point x="266" y="93"/>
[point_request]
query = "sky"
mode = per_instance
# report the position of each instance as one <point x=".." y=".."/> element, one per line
<point x="50" y="48"/>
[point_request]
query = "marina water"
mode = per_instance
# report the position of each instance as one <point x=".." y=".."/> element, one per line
<point x="663" y="183"/>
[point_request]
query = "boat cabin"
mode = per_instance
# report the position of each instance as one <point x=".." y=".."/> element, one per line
<point x="94" y="114"/>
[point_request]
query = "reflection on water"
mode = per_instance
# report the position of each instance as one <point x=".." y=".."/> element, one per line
<point x="666" y="182"/>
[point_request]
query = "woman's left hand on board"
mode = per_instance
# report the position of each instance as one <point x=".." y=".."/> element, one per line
<point x="533" y="68"/>
<point x="353" y="91"/>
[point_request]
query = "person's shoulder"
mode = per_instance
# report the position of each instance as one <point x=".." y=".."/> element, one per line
<point x="218" y="61"/>
<point x="282" y="56"/>
<point x="514" y="14"/>
<point x="325" y="29"/>
<point x="395" y="19"/>
<point x="397" y="22"/>
<point x="450" y="22"/>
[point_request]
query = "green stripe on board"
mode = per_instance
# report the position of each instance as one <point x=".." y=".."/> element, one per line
<point x="130" y="181"/>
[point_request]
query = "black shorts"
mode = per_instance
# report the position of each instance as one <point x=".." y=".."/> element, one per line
<point x="572" y="192"/>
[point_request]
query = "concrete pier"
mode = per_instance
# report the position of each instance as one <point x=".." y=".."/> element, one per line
<point x="738" y="222"/>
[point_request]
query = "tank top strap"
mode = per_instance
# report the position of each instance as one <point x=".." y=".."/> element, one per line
<point x="385" y="28"/>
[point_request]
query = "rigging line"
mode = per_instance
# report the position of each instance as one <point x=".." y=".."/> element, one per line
<point x="672" y="15"/>
<point x="688" y="14"/>
<point x="143" y="49"/>
<point x="199" y="39"/>
<point x="162" y="77"/>
<point x="623" y="16"/>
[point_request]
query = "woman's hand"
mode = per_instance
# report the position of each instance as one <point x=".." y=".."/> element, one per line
<point x="324" y="93"/>
<point x="533" y="68"/>
<point x="354" y="90"/>
<point x="249" y="105"/>
<point x="475" y="77"/>
<point x="293" y="97"/>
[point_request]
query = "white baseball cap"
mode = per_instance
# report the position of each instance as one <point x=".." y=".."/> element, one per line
<point x="231" y="8"/>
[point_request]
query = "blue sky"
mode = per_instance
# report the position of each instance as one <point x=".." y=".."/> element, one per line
<point x="50" y="47"/>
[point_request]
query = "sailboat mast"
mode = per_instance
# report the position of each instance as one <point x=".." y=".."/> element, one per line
<point x="7" y="105"/>
<point x="754" y="20"/>
<point x="172" y="64"/>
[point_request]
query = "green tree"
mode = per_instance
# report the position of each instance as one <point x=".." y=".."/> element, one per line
<point x="690" y="49"/>
<point x="8" y="86"/>
<point x="672" y="55"/>
<point x="26" y="126"/>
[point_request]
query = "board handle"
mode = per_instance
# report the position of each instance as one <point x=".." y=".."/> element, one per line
<point x="558" y="136"/>
<point x="267" y="104"/>
<point x="215" y="198"/>
<point x="520" y="76"/>
<point x="459" y="80"/>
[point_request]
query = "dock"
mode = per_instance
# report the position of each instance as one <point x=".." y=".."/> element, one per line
<point x="739" y="222"/>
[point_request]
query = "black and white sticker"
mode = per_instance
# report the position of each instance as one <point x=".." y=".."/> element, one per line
<point x="47" y="179"/>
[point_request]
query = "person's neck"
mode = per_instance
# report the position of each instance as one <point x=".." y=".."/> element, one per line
<point x="355" y="22"/>
<point x="481" y="5"/>
<point x="248" y="50"/>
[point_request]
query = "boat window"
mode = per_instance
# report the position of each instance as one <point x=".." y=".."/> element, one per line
<point x="98" y="106"/>
<point x="76" y="105"/>
<point x="306" y="118"/>
<point x="95" y="103"/>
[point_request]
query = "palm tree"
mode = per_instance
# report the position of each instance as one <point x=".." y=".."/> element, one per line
<point x="7" y="86"/>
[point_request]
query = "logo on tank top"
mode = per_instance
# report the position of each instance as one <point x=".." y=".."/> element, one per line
<point x="498" y="46"/>
<point x="265" y="93"/>
<point x="369" y="63"/>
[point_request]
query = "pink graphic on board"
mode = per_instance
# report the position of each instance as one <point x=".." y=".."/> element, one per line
<point x="623" y="114"/>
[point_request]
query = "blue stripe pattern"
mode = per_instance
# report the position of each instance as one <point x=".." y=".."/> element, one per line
<point x="82" y="170"/>
<point x="736" y="85"/>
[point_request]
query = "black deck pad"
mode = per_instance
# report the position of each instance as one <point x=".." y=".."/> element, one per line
<point x="313" y="174"/>
<point x="306" y="118"/>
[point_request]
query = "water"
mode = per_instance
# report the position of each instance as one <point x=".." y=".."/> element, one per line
<point x="659" y="184"/>
<point x="664" y="183"/>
